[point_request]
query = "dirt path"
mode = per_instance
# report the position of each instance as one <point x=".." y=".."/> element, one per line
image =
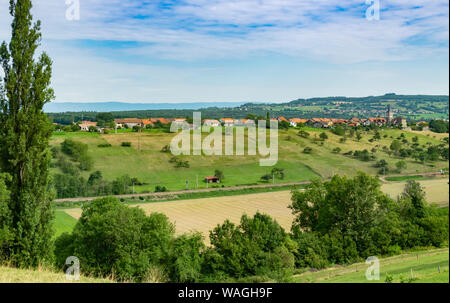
<point x="171" y="193"/>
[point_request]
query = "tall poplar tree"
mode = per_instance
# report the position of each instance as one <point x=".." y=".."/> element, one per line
<point x="24" y="140"/>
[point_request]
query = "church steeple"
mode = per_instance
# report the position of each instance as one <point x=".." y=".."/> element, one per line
<point x="389" y="114"/>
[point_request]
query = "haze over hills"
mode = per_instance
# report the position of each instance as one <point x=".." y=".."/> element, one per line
<point x="121" y="106"/>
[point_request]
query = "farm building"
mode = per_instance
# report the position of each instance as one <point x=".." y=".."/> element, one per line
<point x="211" y="123"/>
<point x="130" y="123"/>
<point x="84" y="125"/>
<point x="295" y="121"/>
<point x="227" y="121"/>
<point x="212" y="180"/>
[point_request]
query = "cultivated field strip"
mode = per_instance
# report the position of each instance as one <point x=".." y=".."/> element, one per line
<point x="204" y="214"/>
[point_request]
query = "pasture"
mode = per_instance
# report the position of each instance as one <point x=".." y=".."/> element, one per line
<point x="145" y="161"/>
<point x="425" y="267"/>
<point x="437" y="190"/>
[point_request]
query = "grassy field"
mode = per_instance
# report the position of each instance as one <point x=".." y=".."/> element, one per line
<point x="436" y="190"/>
<point x="41" y="275"/>
<point x="63" y="223"/>
<point x="145" y="160"/>
<point x="424" y="266"/>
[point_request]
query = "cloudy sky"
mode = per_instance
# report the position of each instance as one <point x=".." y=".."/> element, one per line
<point x="241" y="50"/>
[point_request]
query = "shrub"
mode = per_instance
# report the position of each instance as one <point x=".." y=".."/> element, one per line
<point x="104" y="145"/>
<point x="303" y="134"/>
<point x="113" y="239"/>
<point x="308" y="150"/>
<point x="160" y="189"/>
<point x="258" y="246"/>
<point x="337" y="150"/>
<point x="126" y="144"/>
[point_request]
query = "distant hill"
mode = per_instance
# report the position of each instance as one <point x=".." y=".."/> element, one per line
<point x="120" y="106"/>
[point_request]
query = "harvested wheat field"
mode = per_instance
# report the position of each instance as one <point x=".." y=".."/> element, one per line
<point x="204" y="214"/>
<point x="436" y="190"/>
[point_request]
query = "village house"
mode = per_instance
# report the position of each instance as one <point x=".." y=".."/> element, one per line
<point x="244" y="123"/>
<point x="212" y="180"/>
<point x="320" y="123"/>
<point x="400" y="122"/>
<point x="130" y="123"/>
<point x="147" y="122"/>
<point x="84" y="125"/>
<point x="211" y="123"/>
<point x="227" y="121"/>
<point x="280" y="119"/>
<point x="161" y="120"/>
<point x="355" y="121"/>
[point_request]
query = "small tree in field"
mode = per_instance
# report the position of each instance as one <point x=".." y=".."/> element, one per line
<point x="401" y="165"/>
<point x="323" y="136"/>
<point x="219" y="174"/>
<point x="24" y="140"/>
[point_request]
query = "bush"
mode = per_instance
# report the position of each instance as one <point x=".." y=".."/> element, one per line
<point x="126" y="144"/>
<point x="104" y="145"/>
<point x="303" y="134"/>
<point x="112" y="239"/>
<point x="160" y="189"/>
<point x="258" y="246"/>
<point x="308" y="150"/>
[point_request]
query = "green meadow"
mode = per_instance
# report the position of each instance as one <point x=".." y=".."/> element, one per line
<point x="145" y="160"/>
<point x="424" y="265"/>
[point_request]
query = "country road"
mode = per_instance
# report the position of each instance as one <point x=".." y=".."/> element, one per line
<point x="164" y="194"/>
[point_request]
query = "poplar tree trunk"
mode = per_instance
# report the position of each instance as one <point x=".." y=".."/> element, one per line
<point x="24" y="141"/>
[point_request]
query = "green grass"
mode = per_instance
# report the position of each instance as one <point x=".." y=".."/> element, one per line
<point x="152" y="166"/>
<point x="424" y="265"/>
<point x="63" y="223"/>
<point x="407" y="178"/>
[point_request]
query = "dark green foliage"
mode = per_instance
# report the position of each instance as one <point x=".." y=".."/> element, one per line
<point x="126" y="144"/>
<point x="278" y="173"/>
<point x="185" y="262"/>
<point x="105" y="145"/>
<point x="323" y="136"/>
<point x="24" y="141"/>
<point x="345" y="220"/>
<point x="339" y="130"/>
<point x="363" y="155"/>
<point x="113" y="239"/>
<point x="266" y="177"/>
<point x="258" y="246"/>
<point x="160" y="189"/>
<point x="308" y="150"/>
<point x="303" y="134"/>
<point x="439" y="126"/>
<point x="284" y="125"/>
<point x="219" y="174"/>
<point x="337" y="150"/>
<point x="77" y="151"/>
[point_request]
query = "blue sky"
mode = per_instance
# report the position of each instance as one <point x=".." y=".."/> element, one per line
<point x="241" y="50"/>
